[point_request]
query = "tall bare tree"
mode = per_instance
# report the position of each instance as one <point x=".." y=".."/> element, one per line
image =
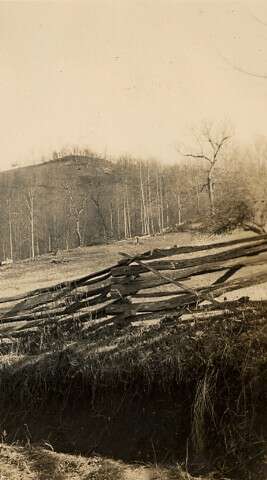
<point x="210" y="143"/>
<point x="76" y="210"/>
<point x="30" y="205"/>
<point x="10" y="226"/>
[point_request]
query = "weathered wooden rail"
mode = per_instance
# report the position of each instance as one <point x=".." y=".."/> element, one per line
<point x="143" y="287"/>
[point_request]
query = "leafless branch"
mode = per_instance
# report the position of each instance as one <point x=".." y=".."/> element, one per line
<point x="219" y="146"/>
<point x="201" y="156"/>
<point x="256" y="18"/>
<point x="242" y="70"/>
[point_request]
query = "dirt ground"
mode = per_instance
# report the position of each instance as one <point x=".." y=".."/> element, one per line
<point x="46" y="270"/>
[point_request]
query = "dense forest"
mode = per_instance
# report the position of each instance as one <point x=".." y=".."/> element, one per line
<point x="79" y="198"/>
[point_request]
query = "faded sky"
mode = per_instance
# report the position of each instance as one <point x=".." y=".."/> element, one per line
<point x="127" y="76"/>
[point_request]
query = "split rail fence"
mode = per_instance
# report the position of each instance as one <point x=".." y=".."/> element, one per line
<point x="151" y="285"/>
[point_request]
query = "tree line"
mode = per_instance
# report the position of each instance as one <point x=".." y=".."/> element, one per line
<point x="81" y="199"/>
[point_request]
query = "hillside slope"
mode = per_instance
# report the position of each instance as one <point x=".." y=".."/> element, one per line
<point x="55" y="172"/>
<point x="57" y="204"/>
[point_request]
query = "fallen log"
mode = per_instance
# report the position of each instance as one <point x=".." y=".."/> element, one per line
<point x="254" y="227"/>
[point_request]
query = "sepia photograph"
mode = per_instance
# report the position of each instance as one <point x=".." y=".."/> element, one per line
<point x="133" y="240"/>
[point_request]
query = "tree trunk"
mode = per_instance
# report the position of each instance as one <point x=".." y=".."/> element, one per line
<point x="197" y="195"/>
<point x="125" y="219"/>
<point x="32" y="225"/>
<point x="118" y="222"/>
<point x="78" y="232"/>
<point x="37" y="247"/>
<point x="10" y="236"/>
<point x="211" y="193"/>
<point x="111" y="222"/>
<point x="30" y="206"/>
<point x="143" y="203"/>
<point x="158" y="202"/>
<point x="152" y="229"/>
<point x="32" y="237"/>
<point x="129" y="226"/>
<point x="49" y="243"/>
<point x="161" y="205"/>
<point x="179" y="209"/>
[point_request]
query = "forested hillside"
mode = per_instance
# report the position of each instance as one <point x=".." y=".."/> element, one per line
<point x="81" y="199"/>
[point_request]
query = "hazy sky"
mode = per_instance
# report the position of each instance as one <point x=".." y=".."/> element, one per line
<point x="127" y="76"/>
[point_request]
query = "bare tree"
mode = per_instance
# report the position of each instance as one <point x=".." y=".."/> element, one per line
<point x="10" y="226"/>
<point x="210" y="144"/>
<point x="144" y="213"/>
<point x="76" y="210"/>
<point x="30" y="204"/>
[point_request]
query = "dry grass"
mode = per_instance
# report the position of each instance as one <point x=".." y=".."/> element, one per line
<point x="221" y="362"/>
<point x="36" y="463"/>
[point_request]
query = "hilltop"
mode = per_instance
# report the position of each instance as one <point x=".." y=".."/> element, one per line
<point x="54" y="172"/>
